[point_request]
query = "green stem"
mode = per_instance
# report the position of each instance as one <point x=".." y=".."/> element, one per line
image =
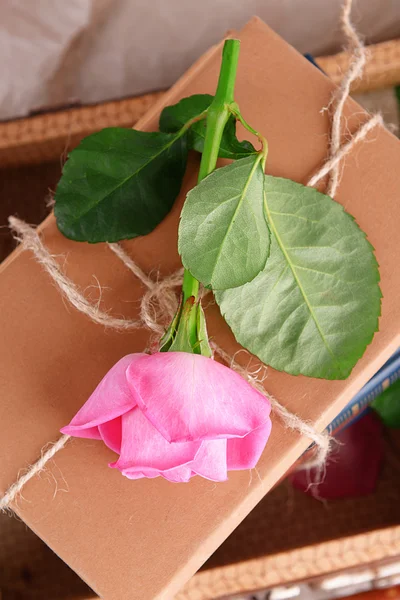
<point x="217" y="116"/>
<point x="218" y="112"/>
<point x="190" y="286"/>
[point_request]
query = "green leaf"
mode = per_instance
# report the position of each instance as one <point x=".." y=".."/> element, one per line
<point x="174" y="117"/>
<point x="186" y="329"/>
<point x="202" y="335"/>
<point x="223" y="234"/>
<point x="119" y="183"/>
<point x="169" y="335"/>
<point x="387" y="405"/>
<point x="315" y="307"/>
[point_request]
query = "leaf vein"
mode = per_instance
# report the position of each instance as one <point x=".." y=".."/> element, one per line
<point x="292" y="268"/>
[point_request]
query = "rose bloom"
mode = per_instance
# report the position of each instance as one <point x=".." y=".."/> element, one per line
<point x="176" y="415"/>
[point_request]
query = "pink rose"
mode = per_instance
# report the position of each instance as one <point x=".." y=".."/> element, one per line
<point x="176" y="415"/>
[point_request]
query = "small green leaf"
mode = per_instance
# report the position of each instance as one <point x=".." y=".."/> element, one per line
<point x="186" y="328"/>
<point x="174" y="117"/>
<point x="202" y="335"/>
<point x="119" y="183"/>
<point x="223" y="234"/>
<point x="169" y="335"/>
<point x="315" y="307"/>
<point x="387" y="405"/>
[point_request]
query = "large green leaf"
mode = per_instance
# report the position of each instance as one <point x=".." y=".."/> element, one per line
<point x="315" y="307"/>
<point x="223" y="234"/>
<point x="174" y="117"/>
<point x="119" y="183"/>
<point x="387" y="405"/>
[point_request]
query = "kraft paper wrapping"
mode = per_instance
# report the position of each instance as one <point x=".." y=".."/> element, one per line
<point x="144" y="539"/>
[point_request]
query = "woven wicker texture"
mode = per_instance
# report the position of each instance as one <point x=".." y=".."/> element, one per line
<point x="46" y="137"/>
<point x="288" y="536"/>
<point x="382" y="69"/>
<point x="294" y="566"/>
<point x="49" y="136"/>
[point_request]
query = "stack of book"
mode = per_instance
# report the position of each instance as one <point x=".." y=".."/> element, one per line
<point x="383" y="379"/>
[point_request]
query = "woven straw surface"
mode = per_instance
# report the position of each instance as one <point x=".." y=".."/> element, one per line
<point x="382" y="69"/>
<point x="294" y="566"/>
<point x="46" y="137"/>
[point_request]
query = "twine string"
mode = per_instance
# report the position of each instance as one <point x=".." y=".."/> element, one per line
<point x="333" y="162"/>
<point x="340" y="95"/>
<point x="46" y="455"/>
<point x="30" y="239"/>
<point x="159" y="302"/>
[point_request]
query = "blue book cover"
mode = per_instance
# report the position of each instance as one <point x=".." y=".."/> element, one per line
<point x="384" y="378"/>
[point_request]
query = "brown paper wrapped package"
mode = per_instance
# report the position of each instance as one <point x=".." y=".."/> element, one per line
<point x="143" y="539"/>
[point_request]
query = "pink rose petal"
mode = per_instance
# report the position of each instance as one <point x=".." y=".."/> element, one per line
<point x="111" y="434"/>
<point x="91" y="433"/>
<point x="112" y="398"/>
<point x="210" y="460"/>
<point x="180" y="474"/>
<point x="244" y="453"/>
<point x="148" y="473"/>
<point x="175" y="415"/>
<point x="144" y="447"/>
<point x="190" y="397"/>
